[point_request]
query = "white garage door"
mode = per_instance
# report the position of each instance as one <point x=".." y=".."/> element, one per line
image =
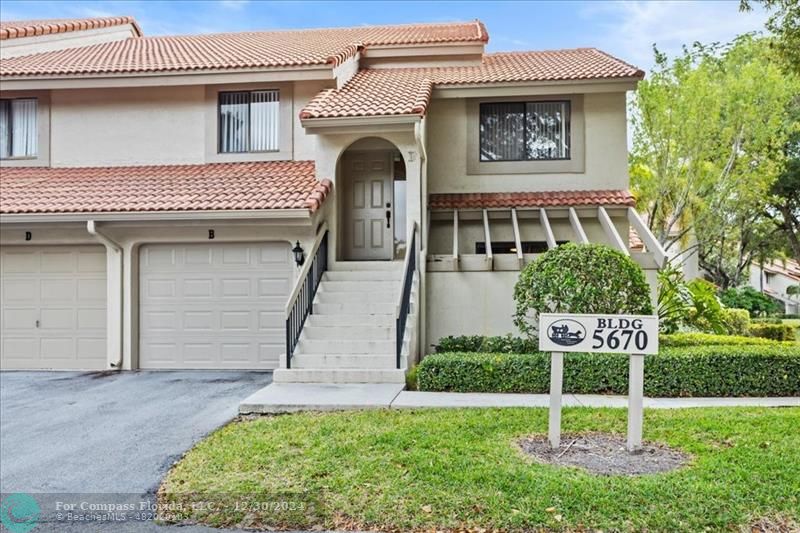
<point x="53" y="305"/>
<point x="213" y="305"/>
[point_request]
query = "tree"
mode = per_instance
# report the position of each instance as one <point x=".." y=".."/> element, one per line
<point x="784" y="23"/>
<point x="709" y="130"/>
<point x="784" y="207"/>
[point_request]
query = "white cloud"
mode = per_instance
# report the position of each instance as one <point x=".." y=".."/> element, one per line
<point x="631" y="28"/>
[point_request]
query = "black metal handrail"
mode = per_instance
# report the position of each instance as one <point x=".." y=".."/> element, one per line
<point x="404" y="307"/>
<point x="301" y="303"/>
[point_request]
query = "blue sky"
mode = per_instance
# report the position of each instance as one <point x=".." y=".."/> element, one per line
<point x="627" y="29"/>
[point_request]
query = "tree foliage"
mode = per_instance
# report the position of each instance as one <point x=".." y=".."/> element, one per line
<point x="709" y="132"/>
<point x="757" y="303"/>
<point x="784" y="23"/>
<point x="579" y="278"/>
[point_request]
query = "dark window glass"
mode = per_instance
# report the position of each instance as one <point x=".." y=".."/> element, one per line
<point x="19" y="133"/>
<point x="510" y="247"/>
<point x="248" y="121"/>
<point x="524" y="131"/>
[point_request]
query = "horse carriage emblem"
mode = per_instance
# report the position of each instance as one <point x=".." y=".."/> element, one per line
<point x="566" y="332"/>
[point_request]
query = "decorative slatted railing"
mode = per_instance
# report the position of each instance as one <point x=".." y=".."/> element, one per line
<point x="404" y="305"/>
<point x="301" y="301"/>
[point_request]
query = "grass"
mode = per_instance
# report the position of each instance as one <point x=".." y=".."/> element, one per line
<point x="453" y="469"/>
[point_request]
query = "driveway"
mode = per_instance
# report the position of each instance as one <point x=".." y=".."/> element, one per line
<point x="63" y="434"/>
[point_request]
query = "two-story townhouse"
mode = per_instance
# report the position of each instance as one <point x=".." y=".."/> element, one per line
<point x="327" y="203"/>
<point x="780" y="280"/>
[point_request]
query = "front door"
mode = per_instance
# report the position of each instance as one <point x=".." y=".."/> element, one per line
<point x="368" y="205"/>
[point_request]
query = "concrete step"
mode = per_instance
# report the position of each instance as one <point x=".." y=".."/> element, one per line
<point x="342" y="361"/>
<point x="354" y="308"/>
<point x="366" y="265"/>
<point x="325" y="296"/>
<point x="360" y="286"/>
<point x="346" y="346"/>
<point x="363" y="332"/>
<point x="324" y="375"/>
<point x="354" y="320"/>
<point x="361" y="275"/>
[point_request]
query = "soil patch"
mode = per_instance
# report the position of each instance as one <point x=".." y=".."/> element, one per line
<point x="604" y="454"/>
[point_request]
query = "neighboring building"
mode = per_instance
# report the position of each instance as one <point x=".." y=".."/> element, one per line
<point x="774" y="279"/>
<point x="155" y="192"/>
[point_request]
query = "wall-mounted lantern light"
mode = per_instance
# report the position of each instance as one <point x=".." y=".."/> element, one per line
<point x="299" y="258"/>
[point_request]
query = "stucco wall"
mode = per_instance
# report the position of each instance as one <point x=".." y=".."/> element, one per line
<point x="131" y="126"/>
<point x="469" y="303"/>
<point x="606" y="165"/>
<point x="158" y="125"/>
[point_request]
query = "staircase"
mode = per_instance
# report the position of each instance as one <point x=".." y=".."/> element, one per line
<point x="350" y="335"/>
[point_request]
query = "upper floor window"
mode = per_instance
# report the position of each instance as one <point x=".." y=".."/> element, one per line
<point x="524" y="131"/>
<point x="18" y="129"/>
<point x="248" y="121"/>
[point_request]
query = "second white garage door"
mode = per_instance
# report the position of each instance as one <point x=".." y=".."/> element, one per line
<point x="213" y="306"/>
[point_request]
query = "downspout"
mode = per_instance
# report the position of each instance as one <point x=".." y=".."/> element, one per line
<point x="422" y="334"/>
<point x="91" y="227"/>
<point x="423" y="181"/>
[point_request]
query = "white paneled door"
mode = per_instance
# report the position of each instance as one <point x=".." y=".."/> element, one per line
<point x="53" y="307"/>
<point x="368" y="205"/>
<point x="213" y="306"/>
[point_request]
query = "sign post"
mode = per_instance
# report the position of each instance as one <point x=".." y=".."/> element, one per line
<point x="636" y="335"/>
<point x="556" y="379"/>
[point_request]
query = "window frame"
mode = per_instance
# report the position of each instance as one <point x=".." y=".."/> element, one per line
<point x="37" y="133"/>
<point x="575" y="165"/>
<point x="249" y="93"/>
<point x="524" y="103"/>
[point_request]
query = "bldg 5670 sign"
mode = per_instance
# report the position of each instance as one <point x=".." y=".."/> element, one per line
<point x="632" y="334"/>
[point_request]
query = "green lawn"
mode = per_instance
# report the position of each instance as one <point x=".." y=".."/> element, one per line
<point x="448" y="469"/>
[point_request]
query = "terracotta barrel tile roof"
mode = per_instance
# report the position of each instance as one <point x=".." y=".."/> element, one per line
<point x="530" y="199"/>
<point x="374" y="92"/>
<point x="789" y="268"/>
<point x="14" y="29"/>
<point x="216" y="186"/>
<point x="255" y="49"/>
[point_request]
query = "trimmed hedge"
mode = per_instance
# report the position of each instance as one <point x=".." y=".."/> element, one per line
<point x="480" y="343"/>
<point x="685" y="371"/>
<point x="509" y="344"/>
<point x="777" y="332"/>
<point x="709" y="339"/>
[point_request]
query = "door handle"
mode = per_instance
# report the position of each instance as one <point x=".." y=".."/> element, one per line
<point x="37" y="323"/>
<point x="388" y="218"/>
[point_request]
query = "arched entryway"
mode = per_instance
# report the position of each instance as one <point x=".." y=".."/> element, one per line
<point x="372" y="203"/>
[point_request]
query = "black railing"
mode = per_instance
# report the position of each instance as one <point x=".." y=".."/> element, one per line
<point x="303" y="305"/>
<point x="404" y="308"/>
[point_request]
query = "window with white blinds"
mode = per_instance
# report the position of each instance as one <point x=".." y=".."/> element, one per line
<point x="524" y="131"/>
<point x="249" y="121"/>
<point x="19" y="133"/>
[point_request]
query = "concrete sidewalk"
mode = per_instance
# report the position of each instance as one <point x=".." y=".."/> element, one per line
<point x="293" y="397"/>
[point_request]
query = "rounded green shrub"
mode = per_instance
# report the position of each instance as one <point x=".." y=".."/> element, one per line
<point x="579" y="278"/>
<point x="737" y="321"/>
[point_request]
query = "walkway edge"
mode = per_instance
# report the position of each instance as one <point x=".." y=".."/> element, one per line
<point x="295" y="397"/>
<point x="414" y="399"/>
